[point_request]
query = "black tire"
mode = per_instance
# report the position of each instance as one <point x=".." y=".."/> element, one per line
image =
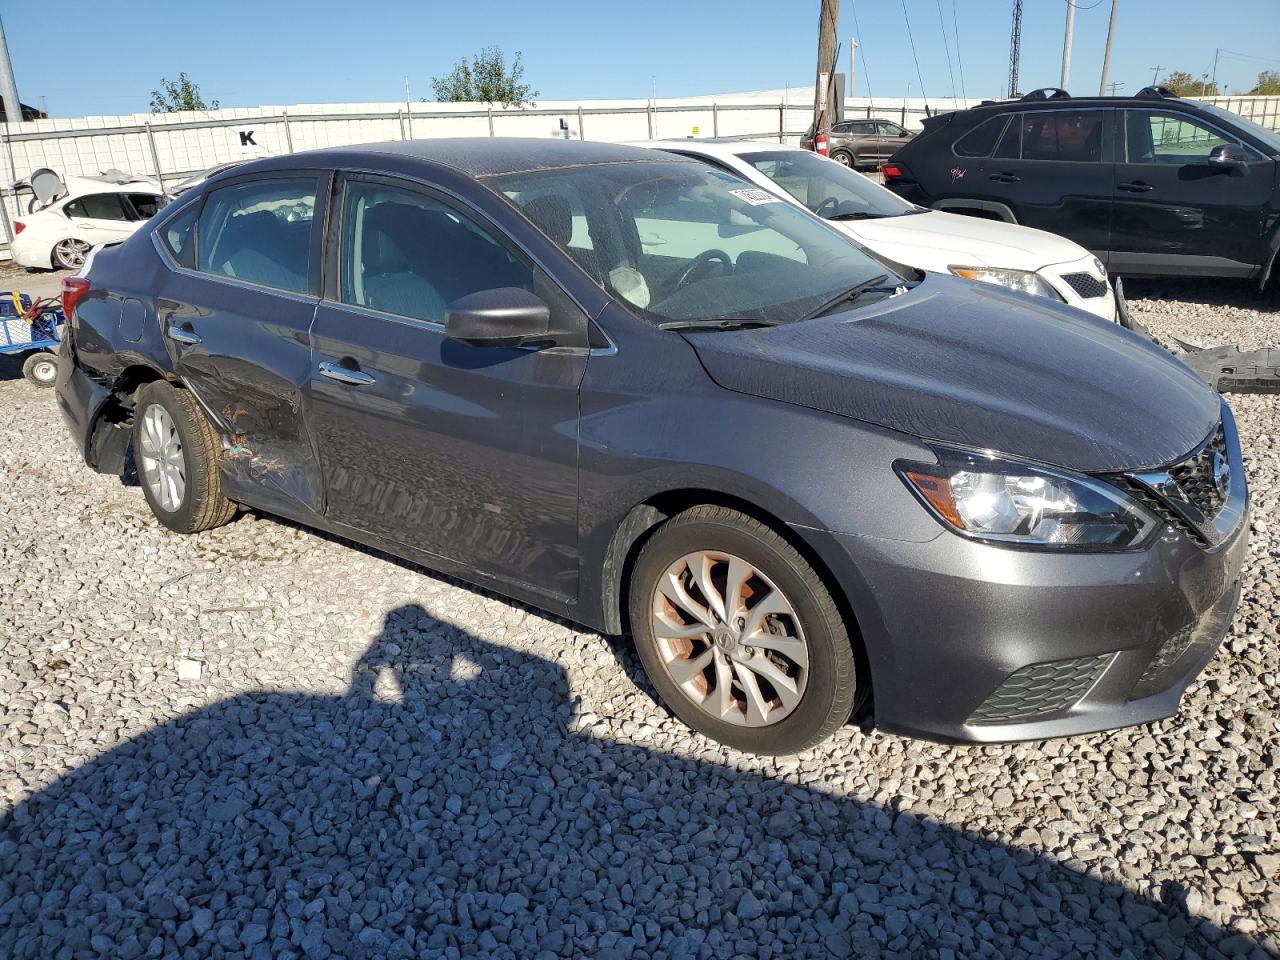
<point x="202" y="505"/>
<point x="845" y="157"/>
<point x="831" y="686"/>
<point x="41" y="369"/>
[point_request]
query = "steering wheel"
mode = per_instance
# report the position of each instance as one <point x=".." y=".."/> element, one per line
<point x="700" y="262"/>
<point x="831" y="202"/>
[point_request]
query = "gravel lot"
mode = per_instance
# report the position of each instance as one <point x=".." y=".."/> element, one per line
<point x="262" y="742"/>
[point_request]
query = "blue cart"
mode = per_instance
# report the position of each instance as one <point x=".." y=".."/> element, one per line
<point x="33" y="328"/>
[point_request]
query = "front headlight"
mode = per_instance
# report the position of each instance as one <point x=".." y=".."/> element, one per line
<point x="1024" y="281"/>
<point x="988" y="498"/>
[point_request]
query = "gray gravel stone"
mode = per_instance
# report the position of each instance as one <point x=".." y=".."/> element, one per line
<point x="379" y="762"/>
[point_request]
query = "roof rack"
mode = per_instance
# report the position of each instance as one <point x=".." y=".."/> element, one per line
<point x="1156" y="93"/>
<point x="1047" y="93"/>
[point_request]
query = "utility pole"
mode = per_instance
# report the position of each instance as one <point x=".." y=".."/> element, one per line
<point x="1155" y="76"/>
<point x="1066" y="44"/>
<point x="828" y="17"/>
<point x="1106" y="56"/>
<point x="1015" y="48"/>
<point x="1214" y="79"/>
<point x="853" y="61"/>
<point x="8" y="86"/>
<point x="1114" y="87"/>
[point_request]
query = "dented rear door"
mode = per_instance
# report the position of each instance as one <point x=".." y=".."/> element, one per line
<point x="238" y="328"/>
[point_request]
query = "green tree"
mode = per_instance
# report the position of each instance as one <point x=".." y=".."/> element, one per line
<point x="180" y="94"/>
<point x="486" y="79"/>
<point x="1268" y="84"/>
<point x="1185" y="85"/>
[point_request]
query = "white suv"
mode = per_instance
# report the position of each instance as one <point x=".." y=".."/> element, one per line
<point x="989" y="251"/>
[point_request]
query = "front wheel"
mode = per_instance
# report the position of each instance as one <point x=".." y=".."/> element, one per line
<point x="41" y="368"/>
<point x="176" y="451"/>
<point x="739" y="634"/>
<point x="843" y="157"/>
<point x="70" y="253"/>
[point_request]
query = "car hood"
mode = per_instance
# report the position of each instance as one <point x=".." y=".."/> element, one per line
<point x="937" y="241"/>
<point x="977" y="365"/>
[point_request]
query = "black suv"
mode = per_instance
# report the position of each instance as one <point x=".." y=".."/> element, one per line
<point x="1153" y="184"/>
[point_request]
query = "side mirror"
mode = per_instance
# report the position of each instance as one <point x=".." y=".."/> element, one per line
<point x="1230" y="157"/>
<point x="502" y="317"/>
<point x="905" y="133"/>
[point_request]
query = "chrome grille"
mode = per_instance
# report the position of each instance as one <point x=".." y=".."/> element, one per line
<point x="1195" y="476"/>
<point x="1189" y="500"/>
<point x="1040" y="690"/>
<point x="1086" y="285"/>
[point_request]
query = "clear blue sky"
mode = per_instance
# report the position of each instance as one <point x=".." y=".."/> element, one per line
<point x="86" y="59"/>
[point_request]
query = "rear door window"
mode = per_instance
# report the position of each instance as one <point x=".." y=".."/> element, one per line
<point x="178" y="236"/>
<point x="260" y="231"/>
<point x="1010" y="145"/>
<point x="97" y="206"/>
<point x="1067" y="136"/>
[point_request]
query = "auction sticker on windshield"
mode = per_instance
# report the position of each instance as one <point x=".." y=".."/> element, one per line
<point x="756" y="197"/>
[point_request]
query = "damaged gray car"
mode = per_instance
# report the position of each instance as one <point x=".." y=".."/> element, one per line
<point x="641" y="394"/>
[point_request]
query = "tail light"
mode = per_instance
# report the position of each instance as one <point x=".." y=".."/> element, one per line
<point x="73" y="291"/>
<point x="18" y="227"/>
<point x="891" y="171"/>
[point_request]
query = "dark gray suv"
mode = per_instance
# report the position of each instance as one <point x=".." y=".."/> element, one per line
<point x="645" y="395"/>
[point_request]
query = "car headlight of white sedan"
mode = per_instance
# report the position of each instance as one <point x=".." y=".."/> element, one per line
<point x="1024" y="281"/>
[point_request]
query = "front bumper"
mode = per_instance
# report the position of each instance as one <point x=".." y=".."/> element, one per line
<point x="972" y="642"/>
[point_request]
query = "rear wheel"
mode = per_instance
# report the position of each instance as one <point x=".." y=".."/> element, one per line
<point x="41" y="368"/>
<point x="739" y="634"/>
<point x="70" y="253"/>
<point x="176" y="451"/>
<point x="843" y="157"/>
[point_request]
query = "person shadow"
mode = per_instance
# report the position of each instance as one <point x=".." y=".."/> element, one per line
<point x="447" y="806"/>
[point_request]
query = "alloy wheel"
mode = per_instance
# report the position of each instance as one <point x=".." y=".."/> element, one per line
<point x="730" y="639"/>
<point x="163" y="465"/>
<point x="70" y="253"/>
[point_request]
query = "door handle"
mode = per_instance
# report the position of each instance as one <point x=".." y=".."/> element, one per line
<point x="85" y="226"/>
<point x="1005" y="178"/>
<point x="1134" y="186"/>
<point x="336" y="371"/>
<point x="182" y="336"/>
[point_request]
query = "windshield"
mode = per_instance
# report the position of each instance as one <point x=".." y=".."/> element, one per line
<point x="827" y="188"/>
<point x="1270" y="137"/>
<point x="682" y="241"/>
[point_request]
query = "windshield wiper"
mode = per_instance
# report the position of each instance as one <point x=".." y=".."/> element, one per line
<point x="874" y="285"/>
<point x="716" y="323"/>
<point x="859" y="215"/>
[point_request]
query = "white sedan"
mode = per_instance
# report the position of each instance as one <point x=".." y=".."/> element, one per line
<point x="990" y="251"/>
<point x="89" y="212"/>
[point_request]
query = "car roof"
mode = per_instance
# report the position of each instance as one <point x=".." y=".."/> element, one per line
<point x="475" y="156"/>
<point x="715" y="146"/>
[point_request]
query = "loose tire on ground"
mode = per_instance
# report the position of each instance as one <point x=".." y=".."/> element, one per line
<point x="667" y="640"/>
<point x="41" y="368"/>
<point x="201" y="505"/>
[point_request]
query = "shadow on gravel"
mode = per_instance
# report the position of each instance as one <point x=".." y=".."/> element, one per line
<point x="442" y="807"/>
<point x="11" y="366"/>
<point x="1212" y="293"/>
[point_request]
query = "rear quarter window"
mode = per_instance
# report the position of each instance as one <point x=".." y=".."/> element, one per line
<point x="981" y="140"/>
<point x="177" y="235"/>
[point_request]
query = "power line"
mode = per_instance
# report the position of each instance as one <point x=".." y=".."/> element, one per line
<point x="1249" y="56"/>
<point x="866" y="74"/>
<point x="919" y="76"/>
<point x="955" y="23"/>
<point x="947" y="47"/>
